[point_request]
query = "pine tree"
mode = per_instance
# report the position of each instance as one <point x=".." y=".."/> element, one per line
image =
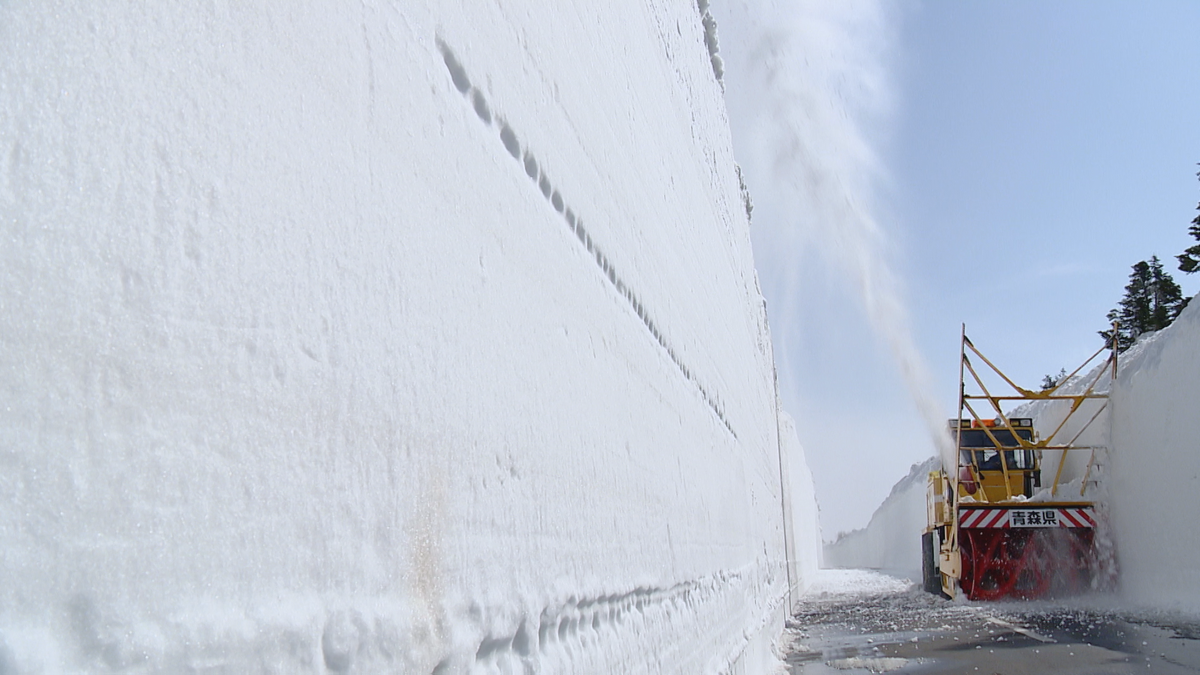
<point x="1189" y="260"/>
<point x="1048" y="382"/>
<point x="1051" y="381"/>
<point x="1166" y="297"/>
<point x="1152" y="301"/>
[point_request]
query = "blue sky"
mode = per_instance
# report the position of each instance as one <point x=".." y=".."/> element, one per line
<point x="1013" y="160"/>
<point x="1063" y="136"/>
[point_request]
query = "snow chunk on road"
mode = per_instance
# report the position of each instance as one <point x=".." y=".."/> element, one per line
<point x="875" y="665"/>
<point x="833" y="583"/>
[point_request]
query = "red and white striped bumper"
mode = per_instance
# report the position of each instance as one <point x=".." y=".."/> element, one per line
<point x="1084" y="516"/>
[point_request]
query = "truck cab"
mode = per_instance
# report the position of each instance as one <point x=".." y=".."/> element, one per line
<point x="997" y="460"/>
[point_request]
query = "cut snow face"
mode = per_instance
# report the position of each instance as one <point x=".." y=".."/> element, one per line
<point x="891" y="541"/>
<point x="387" y="339"/>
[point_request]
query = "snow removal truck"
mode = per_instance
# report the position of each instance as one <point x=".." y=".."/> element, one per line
<point x="1013" y="515"/>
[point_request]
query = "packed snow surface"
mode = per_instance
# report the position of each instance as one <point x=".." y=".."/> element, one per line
<point x="834" y="583"/>
<point x="389" y="338"/>
<point x="1146" y="474"/>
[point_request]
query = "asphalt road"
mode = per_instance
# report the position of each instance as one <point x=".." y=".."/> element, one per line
<point x="892" y="627"/>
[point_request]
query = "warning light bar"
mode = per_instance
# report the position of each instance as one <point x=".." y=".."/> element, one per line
<point x="1018" y="422"/>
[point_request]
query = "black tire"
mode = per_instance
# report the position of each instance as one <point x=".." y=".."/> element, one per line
<point x="930" y="573"/>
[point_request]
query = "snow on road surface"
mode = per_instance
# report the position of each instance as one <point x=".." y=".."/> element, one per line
<point x="419" y="337"/>
<point x="857" y="621"/>
<point x="1149" y="475"/>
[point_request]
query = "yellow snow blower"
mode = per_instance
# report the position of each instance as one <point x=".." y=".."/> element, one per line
<point x="1014" y="516"/>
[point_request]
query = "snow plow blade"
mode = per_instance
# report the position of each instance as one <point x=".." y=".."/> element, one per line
<point x="1027" y="553"/>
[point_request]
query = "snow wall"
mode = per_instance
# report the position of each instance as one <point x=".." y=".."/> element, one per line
<point x="887" y="543"/>
<point x="416" y="338"/>
<point x="1148" y="477"/>
<point x="1155" y="474"/>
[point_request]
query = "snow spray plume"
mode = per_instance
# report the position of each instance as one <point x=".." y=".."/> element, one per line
<point x="821" y="66"/>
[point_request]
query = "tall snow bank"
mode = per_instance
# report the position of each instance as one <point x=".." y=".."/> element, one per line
<point x="387" y="338"/>
<point x="801" y="514"/>
<point x="1155" y="472"/>
<point x="891" y="541"/>
<point x="1151" y="465"/>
